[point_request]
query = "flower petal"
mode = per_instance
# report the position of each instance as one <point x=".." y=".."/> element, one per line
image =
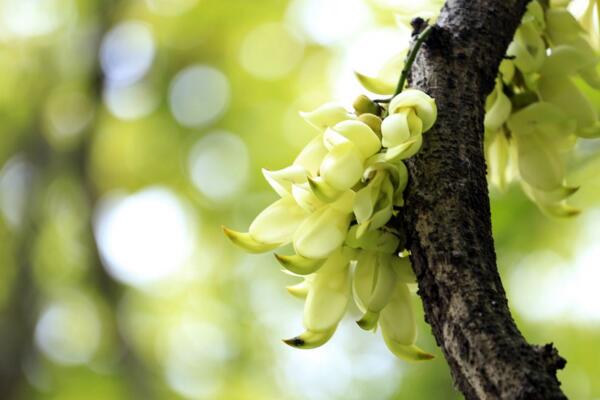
<point x="321" y="233"/>
<point x="328" y="295"/>
<point x="278" y="222"/>
<point x="247" y="242"/>
<point x="343" y="166"/>
<point x="360" y="134"/>
<point x="423" y="105"/>
<point x="282" y="180"/>
<point x="312" y="155"/>
<point x="326" y="115"/>
<point x="299" y="265"/>
<point x="395" y="130"/>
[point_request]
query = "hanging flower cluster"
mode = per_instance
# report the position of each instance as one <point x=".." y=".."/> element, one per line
<point x="335" y="202"/>
<point x="536" y="112"/>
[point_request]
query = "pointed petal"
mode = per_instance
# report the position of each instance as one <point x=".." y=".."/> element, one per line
<point x="560" y="210"/>
<point x="405" y="150"/>
<point x="322" y="190"/>
<point x="326" y="115"/>
<point x="407" y="352"/>
<point x="299" y="265"/>
<point x="360" y="134"/>
<point x="310" y="339"/>
<point x="375" y="85"/>
<point x="282" y="180"/>
<point x="299" y="290"/>
<point x="245" y="241"/>
<point x="368" y="321"/>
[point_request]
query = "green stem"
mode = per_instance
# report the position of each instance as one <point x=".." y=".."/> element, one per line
<point x="410" y="59"/>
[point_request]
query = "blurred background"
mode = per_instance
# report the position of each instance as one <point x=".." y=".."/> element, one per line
<point x="132" y="130"/>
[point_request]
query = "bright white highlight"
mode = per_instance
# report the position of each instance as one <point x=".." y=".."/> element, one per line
<point x="319" y="20"/>
<point x="144" y="238"/>
<point x="30" y="18"/>
<point x="544" y="287"/>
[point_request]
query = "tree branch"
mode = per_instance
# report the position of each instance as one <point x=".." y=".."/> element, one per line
<point x="447" y="212"/>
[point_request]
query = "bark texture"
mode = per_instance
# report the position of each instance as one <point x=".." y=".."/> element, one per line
<point x="447" y="212"/>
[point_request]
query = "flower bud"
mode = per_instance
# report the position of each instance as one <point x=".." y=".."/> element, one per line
<point x="364" y="105"/>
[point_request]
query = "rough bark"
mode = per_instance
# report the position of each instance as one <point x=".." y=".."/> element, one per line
<point x="447" y="212"/>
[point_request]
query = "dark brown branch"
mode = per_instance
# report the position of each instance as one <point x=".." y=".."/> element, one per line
<point x="447" y="212"/>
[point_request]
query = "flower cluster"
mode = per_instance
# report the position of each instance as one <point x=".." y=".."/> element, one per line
<point x="536" y="112"/>
<point x="336" y="200"/>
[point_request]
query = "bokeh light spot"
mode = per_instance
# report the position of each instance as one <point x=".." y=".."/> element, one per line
<point x="320" y="20"/>
<point x="145" y="237"/>
<point x="196" y="354"/>
<point x="218" y="165"/>
<point x="30" y="18"/>
<point x="68" y="112"/>
<point x="270" y="51"/>
<point x="69" y="329"/>
<point x="130" y="102"/>
<point x="127" y="52"/>
<point x="538" y="278"/>
<point x="15" y="182"/>
<point x="198" y="95"/>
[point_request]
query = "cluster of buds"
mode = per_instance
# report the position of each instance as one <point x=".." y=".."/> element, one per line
<point x="336" y="200"/>
<point x="536" y="112"/>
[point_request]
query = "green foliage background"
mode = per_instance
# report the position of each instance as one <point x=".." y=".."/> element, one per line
<point x="210" y="326"/>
